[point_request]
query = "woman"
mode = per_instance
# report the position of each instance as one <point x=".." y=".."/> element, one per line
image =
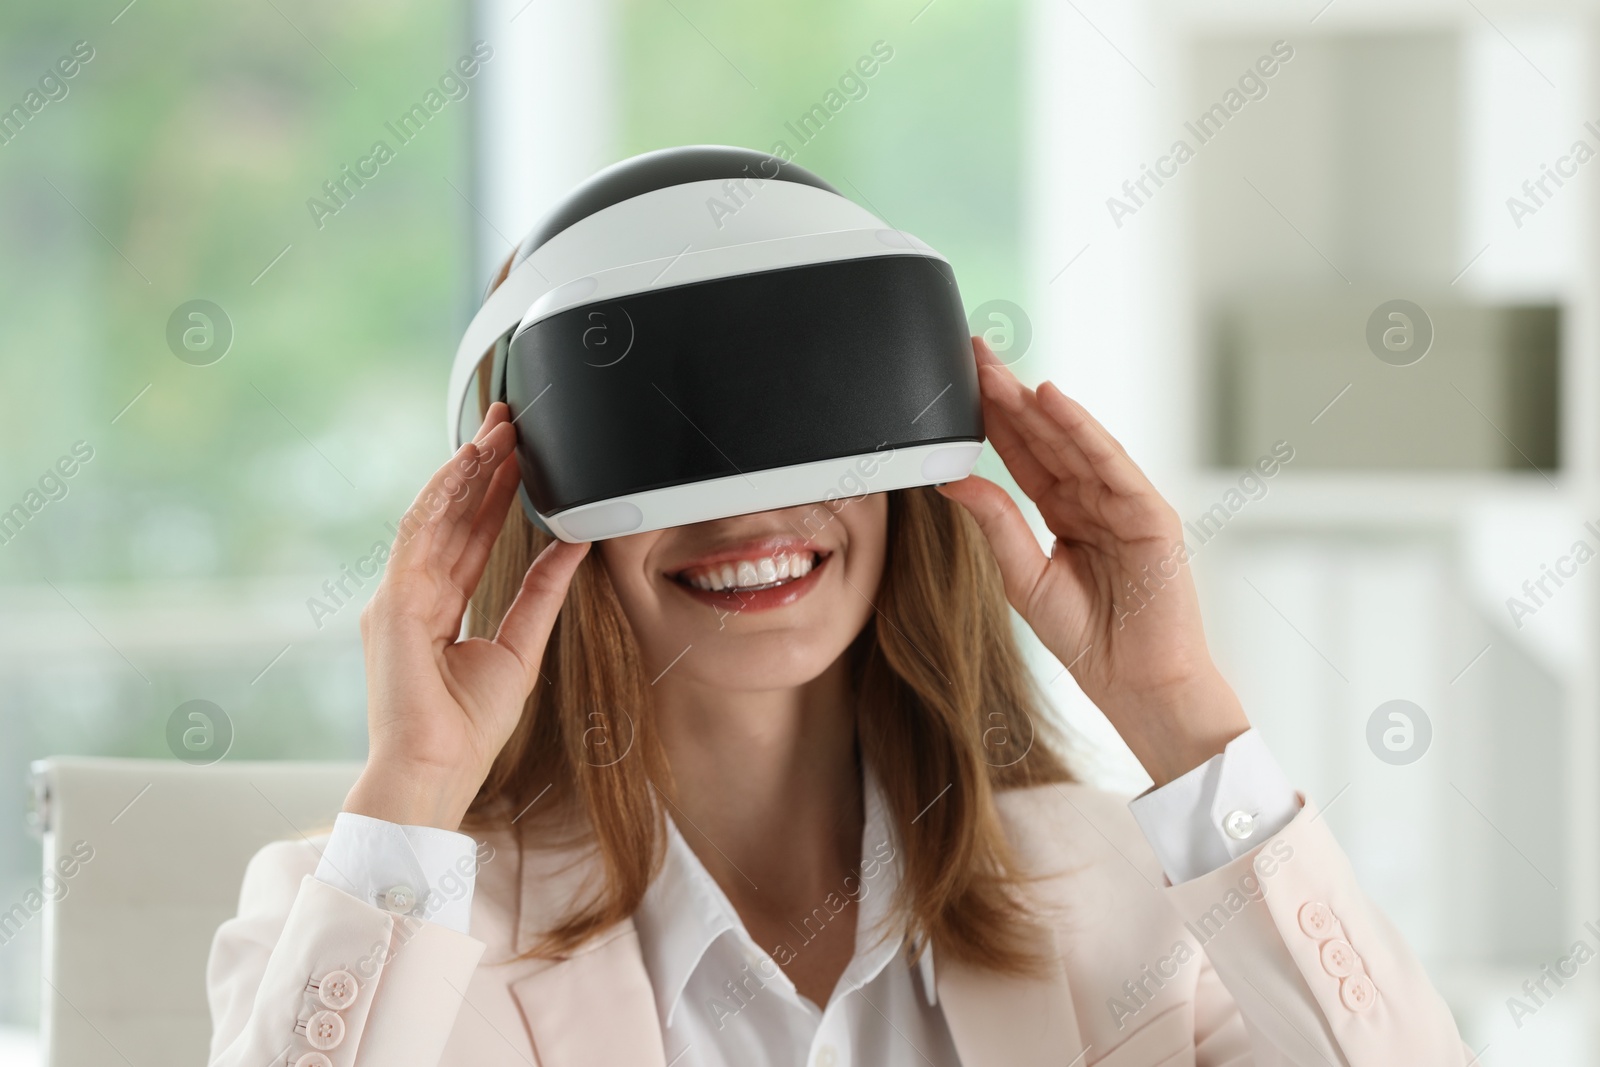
<point x="777" y="789"/>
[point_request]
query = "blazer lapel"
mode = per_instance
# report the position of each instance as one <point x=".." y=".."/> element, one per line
<point x="1001" y="1021"/>
<point x="593" y="1007"/>
<point x="596" y="1005"/>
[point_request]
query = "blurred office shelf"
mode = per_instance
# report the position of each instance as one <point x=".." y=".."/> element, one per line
<point x="1438" y="471"/>
<point x="1296" y="498"/>
<point x="1426" y="495"/>
<point x="1470" y="387"/>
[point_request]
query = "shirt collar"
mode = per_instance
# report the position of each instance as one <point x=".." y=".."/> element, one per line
<point x="684" y="911"/>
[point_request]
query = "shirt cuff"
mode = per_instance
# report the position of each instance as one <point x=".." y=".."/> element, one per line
<point x="421" y="871"/>
<point x="1219" y="810"/>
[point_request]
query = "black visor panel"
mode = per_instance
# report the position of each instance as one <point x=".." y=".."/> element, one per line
<point x="741" y="374"/>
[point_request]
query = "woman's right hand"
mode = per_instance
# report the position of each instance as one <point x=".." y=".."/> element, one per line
<point x="440" y="709"/>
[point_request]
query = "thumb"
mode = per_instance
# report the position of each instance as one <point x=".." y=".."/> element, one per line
<point x="532" y="614"/>
<point x="1022" y="562"/>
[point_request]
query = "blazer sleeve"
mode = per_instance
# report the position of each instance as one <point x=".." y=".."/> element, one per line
<point x="307" y="975"/>
<point x="1301" y="968"/>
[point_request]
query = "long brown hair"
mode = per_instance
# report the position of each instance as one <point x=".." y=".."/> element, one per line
<point x="945" y="708"/>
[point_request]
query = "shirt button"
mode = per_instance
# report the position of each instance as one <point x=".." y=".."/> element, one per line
<point x="1239" y="825"/>
<point x="399" y="899"/>
<point x="827" y="1056"/>
<point x="1316" y="920"/>
<point x="313" y="1059"/>
<point x="337" y="990"/>
<point x="1338" y="958"/>
<point x="1357" y="992"/>
<point x="324" y="1030"/>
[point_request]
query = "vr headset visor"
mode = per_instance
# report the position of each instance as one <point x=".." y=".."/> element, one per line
<point x="704" y="332"/>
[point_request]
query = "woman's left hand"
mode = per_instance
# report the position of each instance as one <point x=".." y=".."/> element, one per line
<point x="1114" y="599"/>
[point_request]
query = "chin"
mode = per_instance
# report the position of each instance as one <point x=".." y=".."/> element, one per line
<point x="774" y="659"/>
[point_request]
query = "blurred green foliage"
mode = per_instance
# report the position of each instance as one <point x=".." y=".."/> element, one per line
<point x="178" y="166"/>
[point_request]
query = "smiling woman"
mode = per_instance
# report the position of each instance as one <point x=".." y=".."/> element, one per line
<point x="618" y="790"/>
<point x="690" y="735"/>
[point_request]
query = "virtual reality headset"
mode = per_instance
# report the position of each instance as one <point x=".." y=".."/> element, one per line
<point x="709" y="331"/>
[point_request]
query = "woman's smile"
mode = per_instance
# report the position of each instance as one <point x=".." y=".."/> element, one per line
<point x="756" y="575"/>
<point x="765" y="600"/>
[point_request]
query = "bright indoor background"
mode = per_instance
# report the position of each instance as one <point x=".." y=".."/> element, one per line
<point x="1205" y="321"/>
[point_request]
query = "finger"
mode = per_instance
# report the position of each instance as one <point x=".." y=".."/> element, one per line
<point x="989" y="358"/>
<point x="486" y="527"/>
<point x="527" y="623"/>
<point x="498" y="412"/>
<point x="1053" y="448"/>
<point x="1022" y="562"/>
<point x="1087" y="416"/>
<point x="417" y="538"/>
<point x="1003" y="396"/>
<point x="495" y="451"/>
<point x="1001" y="427"/>
<point x="1093" y="488"/>
<point x="416" y="529"/>
<point x="1105" y="453"/>
<point x="985" y="354"/>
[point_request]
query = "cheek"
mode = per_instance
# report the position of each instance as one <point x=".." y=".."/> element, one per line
<point x="623" y="557"/>
<point x="624" y="566"/>
<point x="867" y="522"/>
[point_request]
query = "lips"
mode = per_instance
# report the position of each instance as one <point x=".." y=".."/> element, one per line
<point x="753" y="575"/>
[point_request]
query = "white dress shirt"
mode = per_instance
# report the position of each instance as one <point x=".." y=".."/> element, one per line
<point x="724" y="1001"/>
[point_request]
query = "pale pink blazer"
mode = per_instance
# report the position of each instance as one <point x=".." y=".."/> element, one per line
<point x="1279" y="979"/>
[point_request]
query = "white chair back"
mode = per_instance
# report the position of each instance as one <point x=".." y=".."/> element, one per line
<point x="142" y="862"/>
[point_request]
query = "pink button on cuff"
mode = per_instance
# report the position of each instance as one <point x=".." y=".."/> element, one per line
<point x="324" y="1030"/>
<point x="337" y="990"/>
<point x="313" y="1059"/>
<point x="1316" y="920"/>
<point x="1357" y="992"/>
<point x="1338" y="958"/>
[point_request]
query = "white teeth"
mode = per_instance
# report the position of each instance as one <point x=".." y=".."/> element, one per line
<point x="746" y="573"/>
